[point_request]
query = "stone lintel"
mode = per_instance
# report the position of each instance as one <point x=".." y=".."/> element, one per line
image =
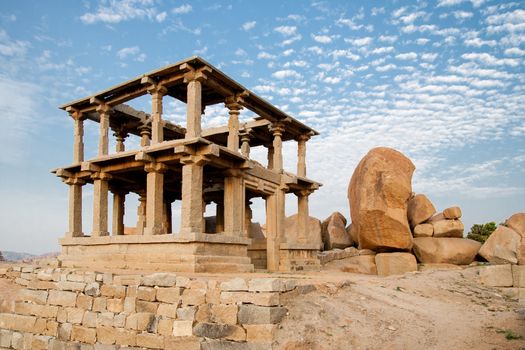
<point x="299" y="246"/>
<point x="89" y="166"/>
<point x="167" y="238"/>
<point x="155" y="167"/>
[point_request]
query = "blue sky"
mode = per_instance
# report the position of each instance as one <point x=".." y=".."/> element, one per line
<point x="441" y="81"/>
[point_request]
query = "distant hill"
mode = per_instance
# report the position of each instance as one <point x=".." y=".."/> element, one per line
<point x="16" y="256"/>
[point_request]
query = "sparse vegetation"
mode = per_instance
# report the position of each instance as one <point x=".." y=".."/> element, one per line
<point x="480" y="232"/>
<point x="509" y="334"/>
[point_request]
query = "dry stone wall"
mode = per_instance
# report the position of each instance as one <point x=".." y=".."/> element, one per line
<point x="65" y="309"/>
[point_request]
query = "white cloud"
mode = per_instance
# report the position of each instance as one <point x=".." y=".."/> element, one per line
<point x="359" y="41"/>
<point x="10" y="47"/>
<point x="386" y="67"/>
<point x="114" y="11"/>
<point x="185" y="8"/>
<point x="462" y="14"/>
<point x="410" y="56"/>
<point x="477" y="42"/>
<point x="491" y="60"/>
<point x="286" y="30"/>
<point x="429" y="57"/>
<point x="509" y="21"/>
<point x="475" y="3"/>
<point x="265" y="56"/>
<point x="249" y="25"/>
<point x="382" y="50"/>
<point x="287" y="73"/>
<point x="323" y="39"/>
<point x="515" y="51"/>
<point x="127" y="51"/>
<point x="388" y="38"/>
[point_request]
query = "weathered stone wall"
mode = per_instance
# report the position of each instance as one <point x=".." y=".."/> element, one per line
<point x="68" y="309"/>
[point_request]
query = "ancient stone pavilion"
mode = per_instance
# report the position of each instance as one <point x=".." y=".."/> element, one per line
<point x="190" y="165"/>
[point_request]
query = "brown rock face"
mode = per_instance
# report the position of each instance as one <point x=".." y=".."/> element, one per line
<point x="378" y="194"/>
<point x="502" y="246"/>
<point x="517" y="223"/>
<point x="334" y="232"/>
<point x="312" y="236"/>
<point x="458" y="251"/>
<point x="423" y="230"/>
<point x="395" y="263"/>
<point x="452" y="213"/>
<point x="448" y="228"/>
<point x="420" y="209"/>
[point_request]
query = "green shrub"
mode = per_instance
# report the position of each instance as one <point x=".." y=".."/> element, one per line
<point x="480" y="232"/>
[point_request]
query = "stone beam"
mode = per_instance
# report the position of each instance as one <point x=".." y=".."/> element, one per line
<point x="194" y="79"/>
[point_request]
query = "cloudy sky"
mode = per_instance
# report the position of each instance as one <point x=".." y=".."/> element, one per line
<point x="441" y="81"/>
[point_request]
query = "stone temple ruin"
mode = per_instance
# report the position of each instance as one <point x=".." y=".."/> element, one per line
<point x="191" y="165"/>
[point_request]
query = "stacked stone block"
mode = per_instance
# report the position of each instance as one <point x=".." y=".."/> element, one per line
<point x="63" y="309"/>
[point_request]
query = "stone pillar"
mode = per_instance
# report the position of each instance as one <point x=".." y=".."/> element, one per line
<point x="272" y="237"/>
<point x="245" y="144"/>
<point x="103" y="143"/>
<point x="155" y="224"/>
<point x="270" y="157"/>
<point x="301" y="155"/>
<point x="191" y="208"/>
<point x="75" y="207"/>
<point x="119" y="198"/>
<point x="78" y="141"/>
<point x="168" y="215"/>
<point x="234" y="203"/>
<point x="145" y="135"/>
<point x="194" y="104"/>
<point x="234" y="108"/>
<point x="100" y="204"/>
<point x="277" y="130"/>
<point x="219" y="217"/>
<point x="157" y="126"/>
<point x="141" y="213"/>
<point x="120" y="136"/>
<point x="248" y="219"/>
<point x="303" y="215"/>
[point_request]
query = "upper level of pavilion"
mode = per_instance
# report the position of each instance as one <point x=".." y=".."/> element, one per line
<point x="198" y="84"/>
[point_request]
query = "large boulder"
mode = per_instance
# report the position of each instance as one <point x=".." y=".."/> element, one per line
<point x="457" y="251"/>
<point x="420" y="209"/>
<point x="395" y="263"/>
<point x="313" y="234"/>
<point x="448" y="228"/>
<point x="378" y="194"/>
<point x="452" y="213"/>
<point x="423" y="230"/>
<point x="502" y="246"/>
<point x="334" y="232"/>
<point x="517" y="223"/>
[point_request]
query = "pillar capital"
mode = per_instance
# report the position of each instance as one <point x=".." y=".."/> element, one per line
<point x="157" y="90"/>
<point x="245" y="135"/>
<point x="197" y="160"/>
<point x="74" y="181"/>
<point x="193" y="74"/>
<point x="277" y="129"/>
<point x="102" y="108"/>
<point x="233" y="172"/>
<point x="75" y="113"/>
<point x="155" y="167"/>
<point x="101" y="176"/>
<point x="303" y="192"/>
<point x="303" y="137"/>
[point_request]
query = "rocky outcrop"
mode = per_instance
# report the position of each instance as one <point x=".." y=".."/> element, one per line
<point x="458" y="251"/>
<point x="334" y="232"/>
<point x="452" y="213"/>
<point x="378" y="193"/>
<point x="313" y="234"/>
<point x="420" y="209"/>
<point x="395" y="263"/>
<point x="502" y="246"/>
<point x="517" y="223"/>
<point x="448" y="228"/>
<point x="423" y="230"/>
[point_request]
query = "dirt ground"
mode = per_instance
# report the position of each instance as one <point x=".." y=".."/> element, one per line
<point x="423" y="310"/>
<point x="445" y="309"/>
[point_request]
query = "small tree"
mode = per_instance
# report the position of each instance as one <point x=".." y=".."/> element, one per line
<point x="480" y="232"/>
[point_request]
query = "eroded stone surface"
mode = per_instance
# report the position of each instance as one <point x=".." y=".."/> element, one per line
<point x="378" y="193"/>
<point x="395" y="263"/>
<point x="420" y="209"/>
<point x="448" y="228"/>
<point x="502" y="246"/>
<point x="334" y="232"/>
<point x="458" y="251"/>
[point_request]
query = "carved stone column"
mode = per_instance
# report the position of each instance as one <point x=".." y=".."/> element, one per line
<point x="194" y="103"/>
<point x="145" y="135"/>
<point x="270" y="157"/>
<point x="234" y="107"/>
<point x="234" y="203"/>
<point x="191" y="208"/>
<point x="157" y="125"/>
<point x="219" y="217"/>
<point x="78" y="134"/>
<point x="119" y="198"/>
<point x="245" y="143"/>
<point x="277" y="130"/>
<point x="100" y="204"/>
<point x="75" y="207"/>
<point x="155" y="224"/>
<point x="301" y="155"/>
<point x="272" y="237"/>
<point x="141" y="213"/>
<point x="303" y="215"/>
<point x="120" y="135"/>
<point x="248" y="219"/>
<point x="103" y="143"/>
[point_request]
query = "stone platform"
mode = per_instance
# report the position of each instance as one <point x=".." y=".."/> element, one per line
<point x="174" y="253"/>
